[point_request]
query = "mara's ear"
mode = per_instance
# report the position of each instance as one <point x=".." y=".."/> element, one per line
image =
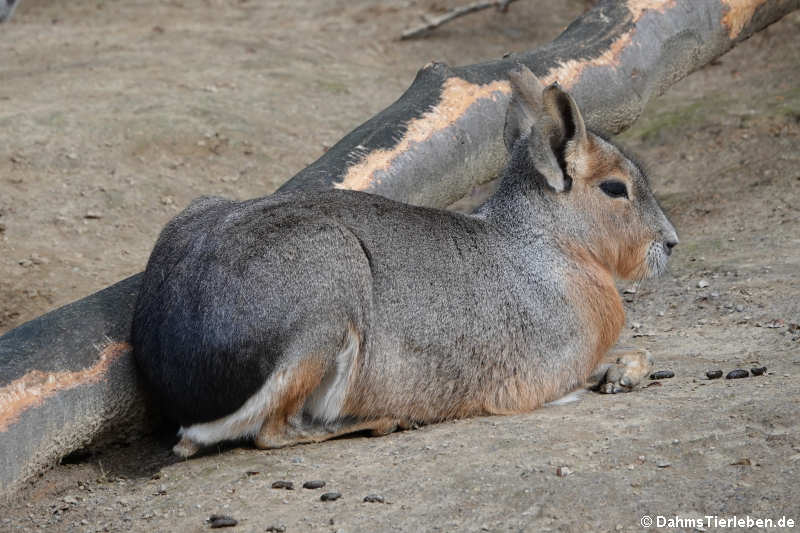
<point x="569" y="137"/>
<point x="528" y="116"/>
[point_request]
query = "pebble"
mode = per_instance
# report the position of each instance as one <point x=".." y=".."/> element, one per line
<point x="219" y="520"/>
<point x="37" y="259"/>
<point x="330" y="496"/>
<point x="663" y="464"/>
<point x="288" y="485"/>
<point x="736" y="374"/>
<point x="758" y="371"/>
<point x="314" y="484"/>
<point x="374" y="498"/>
<point x="702" y="284"/>
<point x="714" y="374"/>
<point x="662" y="374"/>
<point x="563" y="471"/>
<point x="276" y="528"/>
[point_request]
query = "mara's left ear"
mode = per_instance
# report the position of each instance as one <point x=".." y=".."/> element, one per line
<point x="569" y="138"/>
<point x="527" y="118"/>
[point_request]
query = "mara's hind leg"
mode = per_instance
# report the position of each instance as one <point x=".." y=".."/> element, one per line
<point x="272" y="406"/>
<point x="310" y="408"/>
<point x="621" y="369"/>
<point x="298" y="431"/>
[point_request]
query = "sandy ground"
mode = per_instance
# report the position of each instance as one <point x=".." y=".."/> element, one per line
<point x="113" y="115"/>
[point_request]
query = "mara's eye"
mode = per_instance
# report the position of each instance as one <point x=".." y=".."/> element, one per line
<point x="614" y="188"/>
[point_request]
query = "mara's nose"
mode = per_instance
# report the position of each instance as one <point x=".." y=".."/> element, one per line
<point x="671" y="243"/>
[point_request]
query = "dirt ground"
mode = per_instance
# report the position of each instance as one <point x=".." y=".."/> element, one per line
<point x="114" y="115"/>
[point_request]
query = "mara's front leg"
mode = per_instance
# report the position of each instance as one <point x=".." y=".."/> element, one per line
<point x="622" y="368"/>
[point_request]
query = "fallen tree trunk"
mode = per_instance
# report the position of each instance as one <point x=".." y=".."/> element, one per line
<point x="68" y="376"/>
<point x="443" y="136"/>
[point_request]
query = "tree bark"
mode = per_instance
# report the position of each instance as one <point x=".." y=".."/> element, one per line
<point x="68" y="377"/>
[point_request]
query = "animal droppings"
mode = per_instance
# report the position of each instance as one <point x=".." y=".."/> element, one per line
<point x="218" y="520"/>
<point x="737" y="374"/>
<point x="662" y="374"/>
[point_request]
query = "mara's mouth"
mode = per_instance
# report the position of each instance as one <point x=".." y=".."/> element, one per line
<point x="656" y="259"/>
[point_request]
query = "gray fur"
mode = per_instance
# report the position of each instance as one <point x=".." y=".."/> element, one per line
<point x="7" y="9"/>
<point x="447" y="308"/>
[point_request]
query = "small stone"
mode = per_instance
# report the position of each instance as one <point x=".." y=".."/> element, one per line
<point x="636" y="326"/>
<point x="93" y="215"/>
<point x="288" y="485"/>
<point x="563" y="471"/>
<point x="330" y="496"/>
<point x="276" y="528"/>
<point x="736" y="374"/>
<point x="714" y="374"/>
<point x="758" y="371"/>
<point x="629" y="290"/>
<point x="37" y="259"/>
<point x="314" y="484"/>
<point x="374" y="498"/>
<point x="663" y="464"/>
<point x="70" y="499"/>
<point x="219" y="520"/>
<point x="742" y="462"/>
<point x="739" y="308"/>
<point x="662" y="374"/>
<point x="702" y="284"/>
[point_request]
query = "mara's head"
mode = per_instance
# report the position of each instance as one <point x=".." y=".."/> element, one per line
<point x="600" y="199"/>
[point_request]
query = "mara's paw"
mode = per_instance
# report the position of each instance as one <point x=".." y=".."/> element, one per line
<point x="186" y="447"/>
<point x="627" y="370"/>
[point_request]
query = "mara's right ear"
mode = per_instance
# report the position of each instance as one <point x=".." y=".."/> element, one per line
<point x="528" y="117"/>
